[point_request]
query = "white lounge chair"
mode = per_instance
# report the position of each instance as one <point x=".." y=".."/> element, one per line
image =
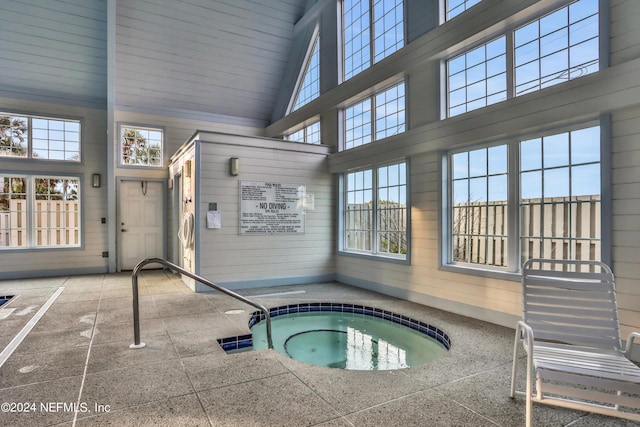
<point x="571" y="335"/>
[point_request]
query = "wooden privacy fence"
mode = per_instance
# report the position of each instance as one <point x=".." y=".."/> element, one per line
<point x="391" y="227"/>
<point x="55" y="223"/>
<point x="559" y="228"/>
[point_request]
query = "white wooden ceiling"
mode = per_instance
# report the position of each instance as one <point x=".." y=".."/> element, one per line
<point x="225" y="58"/>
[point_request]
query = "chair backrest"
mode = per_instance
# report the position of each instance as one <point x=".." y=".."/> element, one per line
<point x="571" y="302"/>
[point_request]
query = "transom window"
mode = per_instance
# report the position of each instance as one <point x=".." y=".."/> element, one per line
<point x="39" y="211"/>
<point x="477" y="78"/>
<point x="557" y="207"/>
<point x="375" y="215"/>
<point x="41" y="138"/>
<point x="556" y="48"/>
<point x="377" y="117"/>
<point x="141" y="146"/>
<point x="309" y="134"/>
<point x="373" y="30"/>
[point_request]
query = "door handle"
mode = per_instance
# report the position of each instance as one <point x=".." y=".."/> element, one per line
<point x="123" y="230"/>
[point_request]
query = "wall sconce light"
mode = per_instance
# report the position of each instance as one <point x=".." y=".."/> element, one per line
<point x="234" y="166"/>
<point x="95" y="180"/>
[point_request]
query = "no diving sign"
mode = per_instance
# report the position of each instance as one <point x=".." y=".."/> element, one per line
<point x="271" y="207"/>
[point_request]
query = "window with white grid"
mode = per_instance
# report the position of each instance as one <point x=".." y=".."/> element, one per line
<point x="375" y="217"/>
<point x="41" y="138"/>
<point x="534" y="197"/>
<point x="373" y="29"/>
<point x="309" y="134"/>
<point x="377" y="117"/>
<point x="39" y="211"/>
<point x="557" y="48"/>
<point x="477" y="78"/>
<point x="141" y="146"/>
<point x="560" y="46"/>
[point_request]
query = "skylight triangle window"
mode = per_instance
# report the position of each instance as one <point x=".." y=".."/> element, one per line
<point x="309" y="86"/>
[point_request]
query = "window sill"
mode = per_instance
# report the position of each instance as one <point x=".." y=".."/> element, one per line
<point x="481" y="272"/>
<point x="377" y="257"/>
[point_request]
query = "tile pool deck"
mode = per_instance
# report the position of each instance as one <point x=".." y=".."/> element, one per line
<point x="75" y="366"/>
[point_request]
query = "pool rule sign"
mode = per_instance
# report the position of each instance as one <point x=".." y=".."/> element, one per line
<point x="271" y="208"/>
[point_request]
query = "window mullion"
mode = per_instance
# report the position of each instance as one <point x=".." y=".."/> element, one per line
<point x="511" y="65"/>
<point x="375" y="213"/>
<point x="513" y="207"/>
<point x="31" y="209"/>
<point x="372" y="49"/>
<point x="29" y="138"/>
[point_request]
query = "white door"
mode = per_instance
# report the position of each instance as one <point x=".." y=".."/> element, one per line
<point x="140" y="222"/>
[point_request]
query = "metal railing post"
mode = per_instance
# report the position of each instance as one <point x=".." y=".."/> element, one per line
<point x="174" y="267"/>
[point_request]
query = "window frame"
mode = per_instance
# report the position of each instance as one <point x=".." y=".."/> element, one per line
<point x="374" y="253"/>
<point x="137" y="127"/>
<point x="30" y="137"/>
<point x="514" y="252"/>
<point x="30" y="214"/>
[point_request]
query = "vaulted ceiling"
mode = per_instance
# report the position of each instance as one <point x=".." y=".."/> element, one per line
<point x="224" y="58"/>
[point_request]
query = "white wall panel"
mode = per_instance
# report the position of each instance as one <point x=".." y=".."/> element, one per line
<point x="54" y="49"/>
<point x="222" y="57"/>
<point x="224" y="255"/>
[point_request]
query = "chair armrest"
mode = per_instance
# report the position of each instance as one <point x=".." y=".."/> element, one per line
<point x="527" y="339"/>
<point x="630" y="339"/>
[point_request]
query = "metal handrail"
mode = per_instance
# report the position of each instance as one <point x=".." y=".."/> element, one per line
<point x="174" y="267"/>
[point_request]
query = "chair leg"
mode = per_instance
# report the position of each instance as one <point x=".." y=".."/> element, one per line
<point x="514" y="369"/>
<point x="529" y="388"/>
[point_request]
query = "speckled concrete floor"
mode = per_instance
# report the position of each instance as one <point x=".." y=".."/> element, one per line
<point x="75" y="366"/>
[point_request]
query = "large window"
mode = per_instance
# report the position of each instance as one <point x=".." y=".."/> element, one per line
<point x="555" y="211"/>
<point x="141" y="146"/>
<point x="41" y="138"/>
<point x="39" y="211"/>
<point x="373" y="30"/>
<point x="374" y="118"/>
<point x="556" y="48"/>
<point x="375" y="214"/>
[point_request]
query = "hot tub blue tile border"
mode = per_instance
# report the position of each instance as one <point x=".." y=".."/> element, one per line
<point x="244" y="341"/>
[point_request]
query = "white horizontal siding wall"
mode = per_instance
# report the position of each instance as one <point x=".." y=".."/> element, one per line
<point x="626" y="212"/>
<point x="614" y="91"/>
<point x="178" y="56"/>
<point x="241" y="261"/>
<point x="55" y="50"/>
<point x="88" y="259"/>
